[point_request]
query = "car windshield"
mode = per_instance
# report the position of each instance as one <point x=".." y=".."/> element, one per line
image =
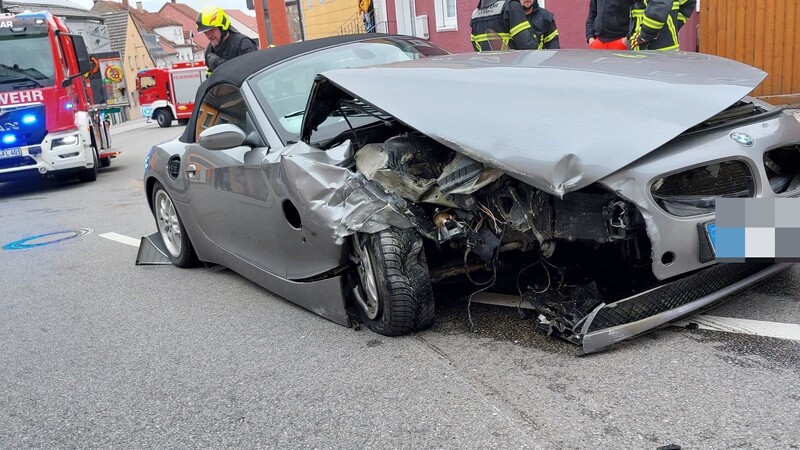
<point x="283" y="90"/>
<point x="26" y="62"/>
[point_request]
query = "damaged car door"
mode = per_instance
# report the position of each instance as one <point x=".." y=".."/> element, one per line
<point x="227" y="191"/>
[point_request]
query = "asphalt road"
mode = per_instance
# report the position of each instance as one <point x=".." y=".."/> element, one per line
<point x="96" y="352"/>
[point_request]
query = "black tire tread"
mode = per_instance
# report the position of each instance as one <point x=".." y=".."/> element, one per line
<point x="89" y="175"/>
<point x="405" y="283"/>
<point x="167" y="118"/>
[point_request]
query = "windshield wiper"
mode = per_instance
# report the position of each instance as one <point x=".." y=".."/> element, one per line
<point x="295" y="114"/>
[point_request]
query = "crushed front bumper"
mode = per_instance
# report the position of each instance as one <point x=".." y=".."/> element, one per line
<point x="611" y="323"/>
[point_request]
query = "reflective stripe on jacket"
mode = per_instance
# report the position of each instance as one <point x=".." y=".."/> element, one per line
<point x="658" y="21"/>
<point x="543" y="26"/>
<point x="504" y="20"/>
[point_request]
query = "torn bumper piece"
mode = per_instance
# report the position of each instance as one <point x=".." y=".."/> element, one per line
<point x="611" y="323"/>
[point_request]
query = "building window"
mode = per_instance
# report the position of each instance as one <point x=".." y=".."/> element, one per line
<point x="446" y="19"/>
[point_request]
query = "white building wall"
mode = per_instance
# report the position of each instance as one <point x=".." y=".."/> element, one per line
<point x="172" y="33"/>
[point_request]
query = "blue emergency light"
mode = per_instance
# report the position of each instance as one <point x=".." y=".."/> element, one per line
<point x="28" y="119"/>
<point x="41" y="15"/>
<point x="9" y="139"/>
<point x="68" y="105"/>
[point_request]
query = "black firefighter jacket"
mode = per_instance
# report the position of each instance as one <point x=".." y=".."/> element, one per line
<point x="657" y="22"/>
<point x="608" y="20"/>
<point x="234" y="45"/>
<point x="503" y="19"/>
<point x="543" y="25"/>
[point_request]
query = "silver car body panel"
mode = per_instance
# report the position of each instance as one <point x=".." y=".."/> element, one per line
<point x="324" y="296"/>
<point x="519" y="111"/>
<point x="679" y="235"/>
<point x="334" y="197"/>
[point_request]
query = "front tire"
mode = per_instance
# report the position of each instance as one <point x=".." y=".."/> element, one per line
<point x="170" y="227"/>
<point x="164" y="118"/>
<point x="395" y="291"/>
<point x="89" y="175"/>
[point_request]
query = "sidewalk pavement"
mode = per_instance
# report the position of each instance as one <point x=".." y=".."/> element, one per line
<point x="129" y="125"/>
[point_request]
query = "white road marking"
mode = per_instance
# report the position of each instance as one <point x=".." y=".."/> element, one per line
<point x="727" y="324"/>
<point x="121" y="238"/>
<point x="745" y="326"/>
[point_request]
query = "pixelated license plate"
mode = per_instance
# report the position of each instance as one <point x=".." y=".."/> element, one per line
<point x="711" y="233"/>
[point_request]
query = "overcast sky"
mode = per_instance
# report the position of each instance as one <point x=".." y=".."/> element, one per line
<point x="155" y="5"/>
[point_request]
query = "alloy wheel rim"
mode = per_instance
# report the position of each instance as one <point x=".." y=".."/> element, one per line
<point x="168" y="225"/>
<point x="369" y="283"/>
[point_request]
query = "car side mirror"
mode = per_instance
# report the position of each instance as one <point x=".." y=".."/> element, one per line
<point x="222" y="137"/>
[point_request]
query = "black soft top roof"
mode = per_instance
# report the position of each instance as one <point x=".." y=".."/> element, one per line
<point x="239" y="69"/>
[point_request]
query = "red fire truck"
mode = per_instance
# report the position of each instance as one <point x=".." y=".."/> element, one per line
<point x="168" y="94"/>
<point x="48" y="124"/>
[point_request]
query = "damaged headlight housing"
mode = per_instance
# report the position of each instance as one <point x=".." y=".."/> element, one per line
<point x="694" y="192"/>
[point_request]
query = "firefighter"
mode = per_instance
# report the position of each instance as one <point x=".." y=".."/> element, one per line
<point x="502" y="19"/>
<point x="543" y="24"/>
<point x="608" y="24"/>
<point x="655" y="23"/>
<point x="225" y="42"/>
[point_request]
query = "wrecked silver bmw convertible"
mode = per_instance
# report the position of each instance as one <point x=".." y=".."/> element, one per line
<point x="350" y="175"/>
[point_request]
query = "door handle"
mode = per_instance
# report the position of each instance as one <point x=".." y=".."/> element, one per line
<point x="191" y="171"/>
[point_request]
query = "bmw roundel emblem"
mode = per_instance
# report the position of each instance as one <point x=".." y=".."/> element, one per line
<point x="743" y="138"/>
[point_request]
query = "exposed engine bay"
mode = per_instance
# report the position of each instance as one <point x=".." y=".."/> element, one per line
<point x="589" y="260"/>
<point x="563" y="255"/>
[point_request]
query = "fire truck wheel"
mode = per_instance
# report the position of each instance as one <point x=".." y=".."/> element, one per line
<point x="164" y="118"/>
<point x="90" y="174"/>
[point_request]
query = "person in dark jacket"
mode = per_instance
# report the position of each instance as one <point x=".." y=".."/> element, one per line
<point x="608" y="24"/>
<point x="543" y="24"/>
<point x="655" y="23"/>
<point x="502" y="20"/>
<point x="225" y="43"/>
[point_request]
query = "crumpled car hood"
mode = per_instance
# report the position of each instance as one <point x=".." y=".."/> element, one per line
<point x="557" y="120"/>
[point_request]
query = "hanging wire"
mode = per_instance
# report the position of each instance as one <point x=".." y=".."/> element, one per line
<point x="488" y="284"/>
